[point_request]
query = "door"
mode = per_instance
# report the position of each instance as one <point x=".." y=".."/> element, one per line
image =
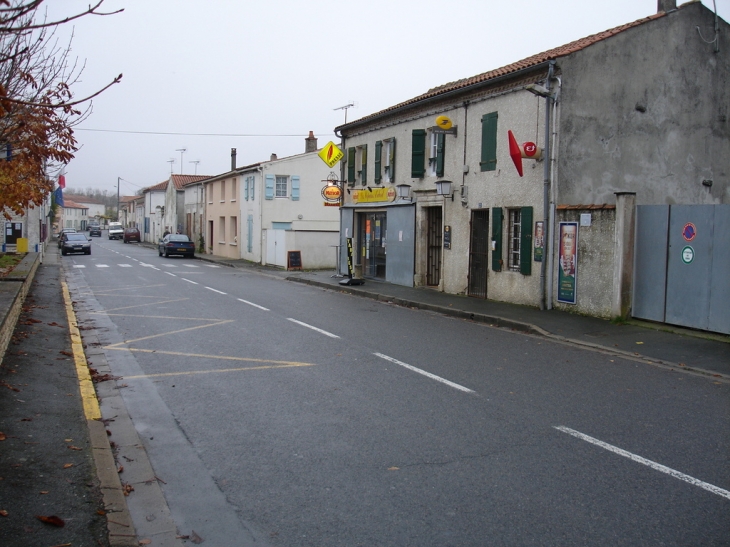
<point x="435" y="237"/>
<point x="479" y="253"/>
<point x="373" y="237"/>
<point x="276" y="247"/>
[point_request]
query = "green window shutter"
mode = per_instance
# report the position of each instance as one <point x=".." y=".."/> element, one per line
<point x="295" y="188"/>
<point x="418" y="153"/>
<point x="245" y="188"/>
<point x="526" y="241"/>
<point x="364" y="172"/>
<point x="351" y="165"/>
<point x="440" y="150"/>
<point x="378" y="151"/>
<point x="392" y="160"/>
<point x="489" y="142"/>
<point x="497" y="239"/>
<point x="269" y="186"/>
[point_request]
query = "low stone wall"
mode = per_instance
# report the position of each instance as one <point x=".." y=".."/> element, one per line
<point x="13" y="289"/>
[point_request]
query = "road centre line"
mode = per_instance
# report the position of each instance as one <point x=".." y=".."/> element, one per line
<point x="102" y="265"/>
<point x="313" y="328"/>
<point x="427" y="374"/>
<point x="656" y="466"/>
<point x="193" y="282"/>
<point x="172" y="274"/>
<point x="215" y="290"/>
<point x="252" y="304"/>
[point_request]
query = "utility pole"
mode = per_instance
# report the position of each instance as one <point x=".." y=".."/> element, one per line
<point x="118" y="180"/>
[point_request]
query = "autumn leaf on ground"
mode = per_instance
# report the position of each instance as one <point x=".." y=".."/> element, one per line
<point x="195" y="538"/>
<point x="393" y="468"/>
<point x="3" y="513"/>
<point x="54" y="324"/>
<point x="2" y="436"/>
<point x="62" y="352"/>
<point x="145" y="541"/>
<point x="74" y="448"/>
<point x="67" y="465"/>
<point x="44" y="492"/>
<point x="53" y="520"/>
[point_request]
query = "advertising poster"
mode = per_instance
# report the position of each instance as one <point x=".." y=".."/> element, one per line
<point x="539" y="240"/>
<point x="568" y="262"/>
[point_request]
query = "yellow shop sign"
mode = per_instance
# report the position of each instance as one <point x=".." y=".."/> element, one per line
<point x="373" y="195"/>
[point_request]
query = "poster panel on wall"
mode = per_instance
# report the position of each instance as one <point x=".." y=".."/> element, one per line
<point x="539" y="240"/>
<point x="567" y="262"/>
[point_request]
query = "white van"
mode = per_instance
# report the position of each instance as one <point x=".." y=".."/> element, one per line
<point x="115" y="230"/>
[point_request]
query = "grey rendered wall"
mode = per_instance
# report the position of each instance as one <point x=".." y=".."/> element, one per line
<point x="594" y="290"/>
<point x="607" y="144"/>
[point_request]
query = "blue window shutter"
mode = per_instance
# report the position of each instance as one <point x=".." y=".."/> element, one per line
<point x="245" y="188"/>
<point x="250" y="232"/>
<point x="269" y="186"/>
<point x="253" y="186"/>
<point x="295" y="188"/>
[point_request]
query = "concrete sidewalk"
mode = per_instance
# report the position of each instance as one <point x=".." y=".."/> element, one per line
<point x="660" y="344"/>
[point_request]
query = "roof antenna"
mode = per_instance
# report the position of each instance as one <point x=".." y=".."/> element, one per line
<point x="349" y="105"/>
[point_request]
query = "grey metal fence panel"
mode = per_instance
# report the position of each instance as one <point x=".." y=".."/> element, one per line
<point x="720" y="289"/>
<point x="689" y="265"/>
<point x="650" y="262"/>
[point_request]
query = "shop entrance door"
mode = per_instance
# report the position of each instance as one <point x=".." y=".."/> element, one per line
<point x="373" y="236"/>
<point x="479" y="253"/>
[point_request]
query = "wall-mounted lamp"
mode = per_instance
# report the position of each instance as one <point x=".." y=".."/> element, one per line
<point x="403" y="191"/>
<point x="707" y="182"/>
<point x="443" y="188"/>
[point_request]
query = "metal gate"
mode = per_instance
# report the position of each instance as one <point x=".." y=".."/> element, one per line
<point x="433" y="270"/>
<point x="479" y="253"/>
<point x="682" y="257"/>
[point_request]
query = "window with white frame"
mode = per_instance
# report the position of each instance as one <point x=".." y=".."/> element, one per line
<point x="223" y="191"/>
<point x="389" y="160"/>
<point x="222" y="230"/>
<point x="515" y="236"/>
<point x="432" y="153"/>
<point x="234" y="184"/>
<point x="234" y="231"/>
<point x="282" y="184"/>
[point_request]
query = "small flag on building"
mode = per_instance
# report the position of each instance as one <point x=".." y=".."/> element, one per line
<point x="62" y="181"/>
<point x="59" y="196"/>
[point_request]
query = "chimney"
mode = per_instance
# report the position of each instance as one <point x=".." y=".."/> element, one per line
<point x="233" y="159"/>
<point x="666" y="6"/>
<point x="310" y="143"/>
<point x="273" y="157"/>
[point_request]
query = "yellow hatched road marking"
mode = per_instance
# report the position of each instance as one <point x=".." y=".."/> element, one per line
<point x="139" y="306"/>
<point x="113" y="346"/>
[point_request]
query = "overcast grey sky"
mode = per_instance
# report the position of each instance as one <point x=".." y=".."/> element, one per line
<point x="258" y="76"/>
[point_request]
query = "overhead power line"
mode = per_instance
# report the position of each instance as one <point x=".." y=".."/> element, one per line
<point x="193" y="134"/>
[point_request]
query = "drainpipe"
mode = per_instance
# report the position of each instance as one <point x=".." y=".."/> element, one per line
<point x="555" y="177"/>
<point x="546" y="189"/>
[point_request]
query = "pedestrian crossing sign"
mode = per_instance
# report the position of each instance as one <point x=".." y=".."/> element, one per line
<point x="330" y="154"/>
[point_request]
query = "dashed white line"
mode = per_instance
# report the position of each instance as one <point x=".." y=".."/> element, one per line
<point x="193" y="282"/>
<point x="656" y="466"/>
<point x="172" y="274"/>
<point x="427" y="374"/>
<point x="79" y="266"/>
<point x="252" y="304"/>
<point x="124" y="265"/>
<point x="191" y="266"/>
<point x="313" y="328"/>
<point x="102" y="265"/>
<point x="215" y="290"/>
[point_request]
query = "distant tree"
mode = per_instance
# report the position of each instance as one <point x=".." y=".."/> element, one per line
<point x="37" y="107"/>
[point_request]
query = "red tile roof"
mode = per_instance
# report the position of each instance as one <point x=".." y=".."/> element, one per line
<point x="70" y="204"/>
<point x="532" y="61"/>
<point x="183" y="180"/>
<point x="157" y="187"/>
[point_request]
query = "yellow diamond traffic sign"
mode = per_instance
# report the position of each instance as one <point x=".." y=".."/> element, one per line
<point x="330" y="154"/>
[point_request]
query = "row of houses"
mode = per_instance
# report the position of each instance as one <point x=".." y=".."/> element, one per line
<point x="592" y="177"/>
<point x="257" y="212"/>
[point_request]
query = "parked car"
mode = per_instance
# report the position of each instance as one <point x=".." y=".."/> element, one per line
<point x="115" y="230"/>
<point x="75" y="243"/>
<point x="62" y="234"/>
<point x="176" y="244"/>
<point x="131" y="234"/>
<point x="94" y="230"/>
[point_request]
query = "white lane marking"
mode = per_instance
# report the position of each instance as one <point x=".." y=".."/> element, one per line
<point x="656" y="466"/>
<point x="102" y="265"/>
<point x="215" y="290"/>
<point x="313" y="328"/>
<point x="79" y="266"/>
<point x="191" y="266"/>
<point x="427" y="374"/>
<point x="211" y="266"/>
<point x="124" y="265"/>
<point x="193" y="282"/>
<point x="252" y="304"/>
<point x="172" y="274"/>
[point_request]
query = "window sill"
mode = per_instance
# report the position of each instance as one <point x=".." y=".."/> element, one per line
<point x="221" y="243"/>
<point x="234" y="244"/>
<point x="222" y="201"/>
<point x="210" y="203"/>
<point x="233" y="201"/>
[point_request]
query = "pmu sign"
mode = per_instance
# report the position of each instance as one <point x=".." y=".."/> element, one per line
<point x="330" y="154"/>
